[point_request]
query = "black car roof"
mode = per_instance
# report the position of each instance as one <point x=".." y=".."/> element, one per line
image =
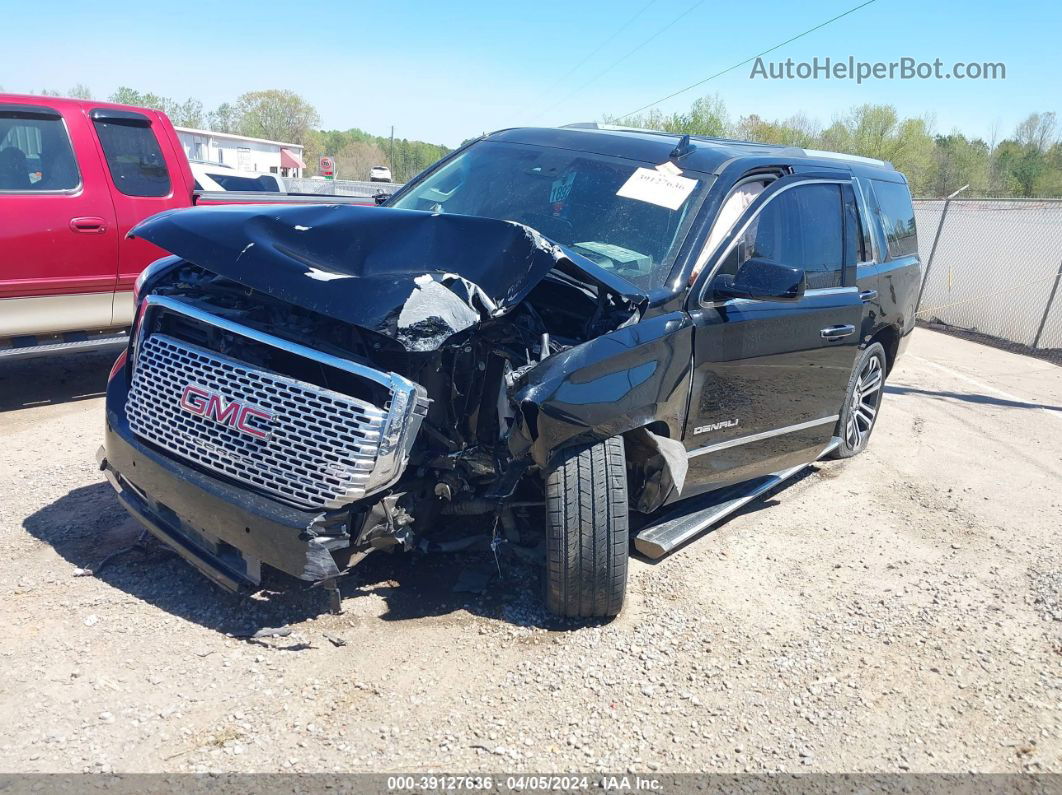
<point x="709" y="154"/>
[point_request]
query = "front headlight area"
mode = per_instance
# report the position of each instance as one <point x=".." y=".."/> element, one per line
<point x="144" y="284"/>
<point x="151" y="274"/>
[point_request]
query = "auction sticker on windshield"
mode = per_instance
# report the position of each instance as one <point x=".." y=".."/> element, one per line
<point x="657" y="187"/>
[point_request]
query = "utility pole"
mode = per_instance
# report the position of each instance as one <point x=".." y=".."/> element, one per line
<point x="391" y="157"/>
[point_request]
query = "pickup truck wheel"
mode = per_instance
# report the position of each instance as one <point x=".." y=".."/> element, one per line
<point x="861" y="403"/>
<point x="586" y="533"/>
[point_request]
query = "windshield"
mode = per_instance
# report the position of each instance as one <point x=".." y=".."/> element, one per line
<point x="628" y="217"/>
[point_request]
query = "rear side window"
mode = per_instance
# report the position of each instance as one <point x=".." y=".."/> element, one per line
<point x="897" y="217"/>
<point x="35" y="153"/>
<point x="800" y="227"/>
<point x="133" y="156"/>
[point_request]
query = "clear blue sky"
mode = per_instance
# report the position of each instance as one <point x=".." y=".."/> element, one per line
<point x="443" y="72"/>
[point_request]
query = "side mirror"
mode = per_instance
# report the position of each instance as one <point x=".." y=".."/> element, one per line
<point x="761" y="280"/>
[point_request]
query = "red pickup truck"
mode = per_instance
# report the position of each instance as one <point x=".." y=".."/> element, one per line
<point x="75" y="176"/>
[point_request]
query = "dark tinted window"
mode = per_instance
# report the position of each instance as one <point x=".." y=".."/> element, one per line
<point x="800" y="227"/>
<point x="35" y="154"/>
<point x="897" y="217"/>
<point x="234" y="182"/>
<point x="134" y="158"/>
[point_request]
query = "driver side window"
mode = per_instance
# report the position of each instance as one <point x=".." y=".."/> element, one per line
<point x="801" y="228"/>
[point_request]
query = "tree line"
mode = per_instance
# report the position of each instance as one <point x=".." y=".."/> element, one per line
<point x="356" y="151"/>
<point x="1027" y="163"/>
<point x="280" y="115"/>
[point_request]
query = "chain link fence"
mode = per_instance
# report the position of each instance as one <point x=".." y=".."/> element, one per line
<point x="993" y="266"/>
<point x="339" y="187"/>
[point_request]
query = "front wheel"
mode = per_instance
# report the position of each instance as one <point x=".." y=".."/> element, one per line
<point x="862" y="402"/>
<point x="586" y="533"/>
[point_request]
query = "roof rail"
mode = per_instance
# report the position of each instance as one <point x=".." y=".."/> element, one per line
<point x="780" y="148"/>
<point x="720" y="140"/>
<point x="872" y="161"/>
<point x="596" y="125"/>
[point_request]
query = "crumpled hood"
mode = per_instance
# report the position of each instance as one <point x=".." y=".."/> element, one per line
<point x="414" y="276"/>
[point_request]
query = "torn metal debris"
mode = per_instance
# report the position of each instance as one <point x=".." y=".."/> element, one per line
<point x="522" y="347"/>
<point x="532" y="348"/>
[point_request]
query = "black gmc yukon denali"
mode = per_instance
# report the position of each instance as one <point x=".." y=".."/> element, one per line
<point x="548" y="342"/>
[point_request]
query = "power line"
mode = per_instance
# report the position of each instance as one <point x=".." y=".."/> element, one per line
<point x="748" y="60"/>
<point x="599" y="48"/>
<point x="624" y="57"/>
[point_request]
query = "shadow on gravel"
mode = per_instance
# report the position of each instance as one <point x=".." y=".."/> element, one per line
<point x="88" y="524"/>
<point x="969" y="397"/>
<point x="53" y="379"/>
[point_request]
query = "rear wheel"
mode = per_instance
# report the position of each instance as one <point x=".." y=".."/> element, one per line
<point x="586" y="533"/>
<point x="862" y="402"/>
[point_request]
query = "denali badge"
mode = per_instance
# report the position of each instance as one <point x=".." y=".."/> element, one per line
<point x="716" y="426"/>
<point x="204" y="403"/>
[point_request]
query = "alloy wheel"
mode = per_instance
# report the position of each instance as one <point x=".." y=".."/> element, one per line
<point x="863" y="409"/>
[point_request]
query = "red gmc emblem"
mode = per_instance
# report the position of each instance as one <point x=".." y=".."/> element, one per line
<point x="232" y="413"/>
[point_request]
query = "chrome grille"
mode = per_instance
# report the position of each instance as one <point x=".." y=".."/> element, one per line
<point x="321" y="447"/>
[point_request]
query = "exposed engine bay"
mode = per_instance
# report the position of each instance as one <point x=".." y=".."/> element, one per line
<point x="467" y="308"/>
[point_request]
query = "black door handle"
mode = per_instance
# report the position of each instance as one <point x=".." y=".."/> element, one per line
<point x="868" y="295"/>
<point x="837" y="332"/>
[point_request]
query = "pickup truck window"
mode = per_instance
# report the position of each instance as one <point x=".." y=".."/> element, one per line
<point x="35" y="154"/>
<point x="897" y="217"/>
<point x="568" y="196"/>
<point x="799" y="227"/>
<point x="134" y="158"/>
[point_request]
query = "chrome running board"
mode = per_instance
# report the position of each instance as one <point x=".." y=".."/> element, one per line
<point x="689" y="520"/>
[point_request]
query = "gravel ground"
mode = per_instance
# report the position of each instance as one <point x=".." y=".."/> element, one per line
<point x="900" y="611"/>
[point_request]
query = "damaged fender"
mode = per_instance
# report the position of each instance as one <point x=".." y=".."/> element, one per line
<point x="627" y="379"/>
<point x="662" y="464"/>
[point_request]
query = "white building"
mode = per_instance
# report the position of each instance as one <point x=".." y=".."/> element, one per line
<point x="243" y="153"/>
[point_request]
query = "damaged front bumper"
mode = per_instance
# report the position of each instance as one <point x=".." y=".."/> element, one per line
<point x="223" y="530"/>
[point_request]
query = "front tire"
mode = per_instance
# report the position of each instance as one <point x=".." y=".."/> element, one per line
<point x="586" y="533"/>
<point x="862" y="402"/>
